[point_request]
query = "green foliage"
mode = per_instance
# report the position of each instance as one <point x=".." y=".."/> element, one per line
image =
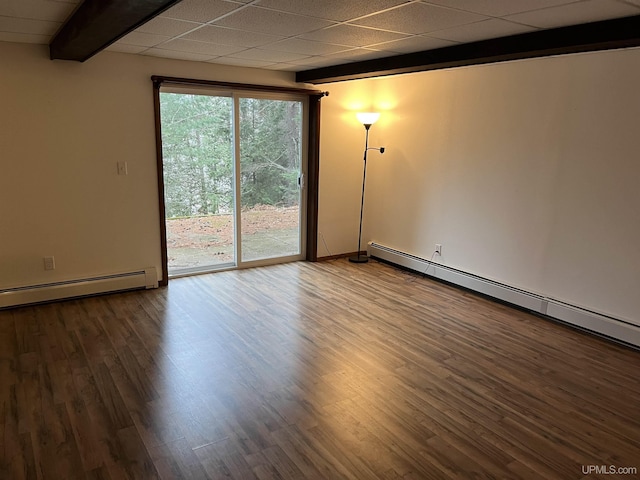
<point x="270" y="151"/>
<point x="197" y="154"/>
<point x="197" y="143"/>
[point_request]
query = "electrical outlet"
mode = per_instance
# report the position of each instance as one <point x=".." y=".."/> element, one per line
<point x="49" y="263"/>
<point x="122" y="168"/>
<point x="438" y="249"/>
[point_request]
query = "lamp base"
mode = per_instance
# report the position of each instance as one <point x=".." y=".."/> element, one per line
<point x="359" y="259"/>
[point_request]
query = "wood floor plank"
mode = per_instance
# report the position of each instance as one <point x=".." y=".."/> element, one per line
<point x="136" y="458"/>
<point x="20" y="466"/>
<point x="369" y="440"/>
<point x="100" y="473"/>
<point x="177" y="460"/>
<point x="309" y="371"/>
<point x="311" y="462"/>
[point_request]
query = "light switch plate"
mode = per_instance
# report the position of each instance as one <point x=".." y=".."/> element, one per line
<point x="49" y="263"/>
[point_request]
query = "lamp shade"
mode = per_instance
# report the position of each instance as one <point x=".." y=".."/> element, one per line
<point x="368" y="118"/>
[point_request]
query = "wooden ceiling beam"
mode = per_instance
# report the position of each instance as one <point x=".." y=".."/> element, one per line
<point x="602" y="35"/>
<point x="96" y="24"/>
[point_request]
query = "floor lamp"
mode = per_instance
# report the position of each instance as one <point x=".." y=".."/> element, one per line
<point x="367" y="119"/>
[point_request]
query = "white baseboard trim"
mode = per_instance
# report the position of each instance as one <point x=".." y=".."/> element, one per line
<point x="613" y="328"/>
<point x="13" y="297"/>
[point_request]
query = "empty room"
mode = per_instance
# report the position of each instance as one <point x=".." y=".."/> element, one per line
<point x="276" y="239"/>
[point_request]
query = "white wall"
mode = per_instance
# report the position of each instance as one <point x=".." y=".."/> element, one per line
<point x="526" y="172"/>
<point x="342" y="140"/>
<point x="63" y="127"/>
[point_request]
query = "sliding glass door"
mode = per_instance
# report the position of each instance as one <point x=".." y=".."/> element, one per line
<point x="198" y="166"/>
<point x="233" y="175"/>
<point x="270" y="177"/>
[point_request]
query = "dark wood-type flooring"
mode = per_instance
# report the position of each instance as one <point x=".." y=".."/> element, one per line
<point x="309" y="371"/>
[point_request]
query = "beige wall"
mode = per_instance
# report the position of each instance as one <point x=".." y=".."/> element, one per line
<point x="63" y="127"/>
<point x="342" y="140"/>
<point x="526" y="172"/>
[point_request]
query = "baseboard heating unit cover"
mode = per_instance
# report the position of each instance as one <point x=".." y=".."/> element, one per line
<point x="613" y="328"/>
<point x="13" y="297"/>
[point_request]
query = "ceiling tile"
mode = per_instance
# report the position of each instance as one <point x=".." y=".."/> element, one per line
<point x="359" y="54"/>
<point x="205" y="48"/>
<point x="196" y="57"/>
<point x="473" y="32"/>
<point x="229" y="36"/>
<point x="498" y="8"/>
<point x="338" y="10"/>
<point x="201" y="11"/>
<point x="123" y="48"/>
<point x="260" y="20"/>
<point x="25" y="38"/>
<point x="414" y="44"/>
<point x="272" y="56"/>
<point x="575" y="13"/>
<point x="352" y="35"/>
<point x="241" y="62"/>
<point x="143" y="39"/>
<point x="315" y="62"/>
<point x="285" y="67"/>
<point x="259" y="32"/>
<point x="307" y="47"/>
<point x="167" y="26"/>
<point x="36" y="9"/>
<point x="28" y="26"/>
<point x="419" y="18"/>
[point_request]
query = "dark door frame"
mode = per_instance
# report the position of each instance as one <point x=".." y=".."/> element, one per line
<point x="313" y="157"/>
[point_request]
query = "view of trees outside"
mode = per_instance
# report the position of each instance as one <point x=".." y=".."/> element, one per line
<point x="197" y="148"/>
<point x="198" y="159"/>
<point x="270" y="155"/>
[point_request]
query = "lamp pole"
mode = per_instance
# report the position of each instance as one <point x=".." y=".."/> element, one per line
<point x="367" y="119"/>
<point x="358" y="258"/>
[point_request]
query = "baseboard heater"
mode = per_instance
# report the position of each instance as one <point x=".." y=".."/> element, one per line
<point x="613" y="328"/>
<point x="13" y="297"/>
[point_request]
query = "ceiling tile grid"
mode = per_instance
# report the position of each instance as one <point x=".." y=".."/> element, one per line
<point x="415" y="43"/>
<point x="263" y="20"/>
<point x="201" y="11"/>
<point x="352" y="35"/>
<point x="577" y="12"/>
<point x="419" y="18"/>
<point x="499" y="8"/>
<point x="230" y="36"/>
<point x="306" y="34"/>
<point x="36" y="10"/>
<point x="491" y="28"/>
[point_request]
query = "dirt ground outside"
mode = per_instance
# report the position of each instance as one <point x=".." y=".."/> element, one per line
<point x="208" y="240"/>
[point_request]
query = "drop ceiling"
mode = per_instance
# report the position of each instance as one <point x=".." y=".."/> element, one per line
<point x="297" y="35"/>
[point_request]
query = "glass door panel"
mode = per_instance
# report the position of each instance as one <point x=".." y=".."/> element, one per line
<point x="232" y="172"/>
<point x="271" y="146"/>
<point x="198" y="164"/>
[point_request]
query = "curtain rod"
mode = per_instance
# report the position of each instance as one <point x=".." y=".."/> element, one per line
<point x="159" y="80"/>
